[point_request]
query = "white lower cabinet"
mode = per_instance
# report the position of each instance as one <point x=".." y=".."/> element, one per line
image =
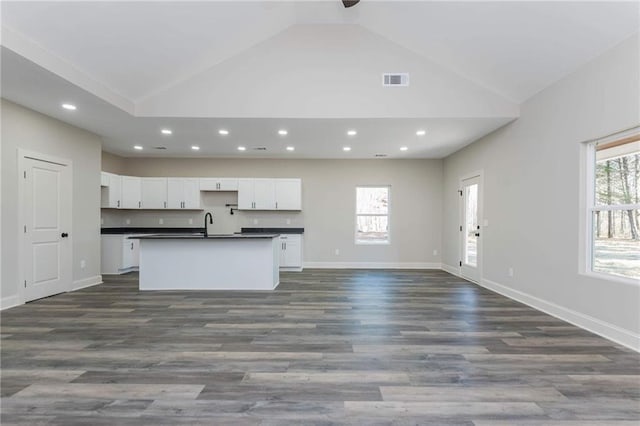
<point x="119" y="254"/>
<point x="291" y="252"/>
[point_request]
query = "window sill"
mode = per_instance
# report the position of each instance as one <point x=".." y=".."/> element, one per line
<point x="610" y="277"/>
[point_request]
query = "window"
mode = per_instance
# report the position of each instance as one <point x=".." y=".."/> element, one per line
<point x="372" y="215"/>
<point x="614" y="206"/>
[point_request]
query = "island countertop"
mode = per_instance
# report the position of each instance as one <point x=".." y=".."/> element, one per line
<point x="199" y="236"/>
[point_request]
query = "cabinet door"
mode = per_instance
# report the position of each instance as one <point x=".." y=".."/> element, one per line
<point x="127" y="253"/>
<point x="264" y="194"/>
<point x="227" y="184"/>
<point x="175" y="193"/>
<point x="104" y="179"/>
<point x="288" y="194"/>
<point x="154" y="193"/>
<point x="245" y="194"/>
<point x="135" y="253"/>
<point x="110" y="194"/>
<point x="292" y="251"/>
<point x="191" y="196"/>
<point x="131" y="193"/>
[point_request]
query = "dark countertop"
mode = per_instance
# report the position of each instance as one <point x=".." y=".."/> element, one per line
<point x="131" y="230"/>
<point x="202" y="237"/>
<point x="272" y="230"/>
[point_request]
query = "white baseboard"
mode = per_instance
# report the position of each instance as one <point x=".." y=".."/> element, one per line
<point x="609" y="331"/>
<point x="86" y="282"/>
<point x="9" y="302"/>
<point x="372" y="265"/>
<point x="453" y="270"/>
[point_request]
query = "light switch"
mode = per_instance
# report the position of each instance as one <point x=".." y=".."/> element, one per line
<point x="160" y="221"/>
<point x="486" y="222"/>
<point x="128" y="221"/>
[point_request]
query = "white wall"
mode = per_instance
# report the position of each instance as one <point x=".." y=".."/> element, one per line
<point x="26" y="129"/>
<point x="328" y="205"/>
<point x="532" y="172"/>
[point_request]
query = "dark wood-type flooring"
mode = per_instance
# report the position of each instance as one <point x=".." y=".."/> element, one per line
<point x="327" y="347"/>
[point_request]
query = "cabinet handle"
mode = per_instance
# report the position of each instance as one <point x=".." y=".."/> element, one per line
<point x="217" y="186"/>
<point x="139" y="204"/>
<point x="276" y="204"/>
<point x="165" y="204"/>
<point x="118" y="203"/>
<point x="132" y="246"/>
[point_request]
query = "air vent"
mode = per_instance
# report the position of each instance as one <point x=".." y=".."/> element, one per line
<point x="380" y="155"/>
<point x="395" y="79"/>
<point x="260" y="148"/>
<point x="159" y="147"/>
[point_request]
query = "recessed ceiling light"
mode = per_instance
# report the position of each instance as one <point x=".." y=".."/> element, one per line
<point x="291" y="148"/>
<point x="421" y="132"/>
<point x="137" y="147"/>
<point x="346" y="148"/>
<point x="195" y="148"/>
<point x="70" y="107"/>
<point x="403" y="148"/>
<point x="352" y="133"/>
<point x="241" y="148"/>
<point x="282" y="132"/>
<point x="166" y="131"/>
<point x="223" y="131"/>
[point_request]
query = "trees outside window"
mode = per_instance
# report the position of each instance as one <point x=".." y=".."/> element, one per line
<point x="372" y="215"/>
<point x="615" y="207"/>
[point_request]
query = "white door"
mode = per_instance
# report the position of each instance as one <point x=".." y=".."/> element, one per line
<point x="191" y="193"/>
<point x="245" y="194"/>
<point x="46" y="212"/>
<point x="131" y="192"/>
<point x="288" y="194"/>
<point x="154" y="193"/>
<point x="470" y="229"/>
<point x="264" y="194"/>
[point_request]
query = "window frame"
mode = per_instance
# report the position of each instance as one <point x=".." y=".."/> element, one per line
<point x="590" y="207"/>
<point x="388" y="215"/>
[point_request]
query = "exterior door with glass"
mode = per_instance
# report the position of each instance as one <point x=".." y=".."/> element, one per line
<point x="470" y="262"/>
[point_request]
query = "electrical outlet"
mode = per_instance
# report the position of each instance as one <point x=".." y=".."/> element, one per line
<point x="190" y="221"/>
<point x="337" y="252"/>
<point x="128" y="221"/>
<point x="510" y="271"/>
<point x="255" y="221"/>
<point x="160" y="221"/>
<point x="288" y="221"/>
<point x="435" y="252"/>
<point x="486" y="222"/>
<point x="83" y="264"/>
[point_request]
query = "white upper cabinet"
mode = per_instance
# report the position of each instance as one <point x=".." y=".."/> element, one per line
<point x="154" y="193"/>
<point x="264" y="195"/>
<point x="218" y="184"/>
<point x="131" y="193"/>
<point x="183" y="193"/>
<point x="288" y="194"/>
<point x="269" y="194"/>
<point x="111" y="192"/>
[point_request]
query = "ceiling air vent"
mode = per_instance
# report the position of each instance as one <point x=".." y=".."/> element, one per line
<point x="260" y="148"/>
<point x="395" y="79"/>
<point x="159" y="147"/>
<point x="381" y="155"/>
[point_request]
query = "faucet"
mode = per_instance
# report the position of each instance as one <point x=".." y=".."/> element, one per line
<point x="210" y="216"/>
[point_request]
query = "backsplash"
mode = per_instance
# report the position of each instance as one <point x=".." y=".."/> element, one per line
<point x="214" y="202"/>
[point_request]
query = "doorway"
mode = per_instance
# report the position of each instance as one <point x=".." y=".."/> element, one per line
<point x="470" y="216"/>
<point x="45" y="196"/>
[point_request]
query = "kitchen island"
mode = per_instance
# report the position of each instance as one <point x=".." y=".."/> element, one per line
<point x="214" y="262"/>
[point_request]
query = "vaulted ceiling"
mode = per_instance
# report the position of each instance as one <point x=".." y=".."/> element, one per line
<point x="312" y="67"/>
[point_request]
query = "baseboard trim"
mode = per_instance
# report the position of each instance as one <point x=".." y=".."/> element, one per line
<point x="604" y="329"/>
<point x="86" y="282"/>
<point x="453" y="270"/>
<point x="372" y="265"/>
<point x="9" y="302"/>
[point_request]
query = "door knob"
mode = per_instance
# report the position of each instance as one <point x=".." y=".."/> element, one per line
<point x="64" y="235"/>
